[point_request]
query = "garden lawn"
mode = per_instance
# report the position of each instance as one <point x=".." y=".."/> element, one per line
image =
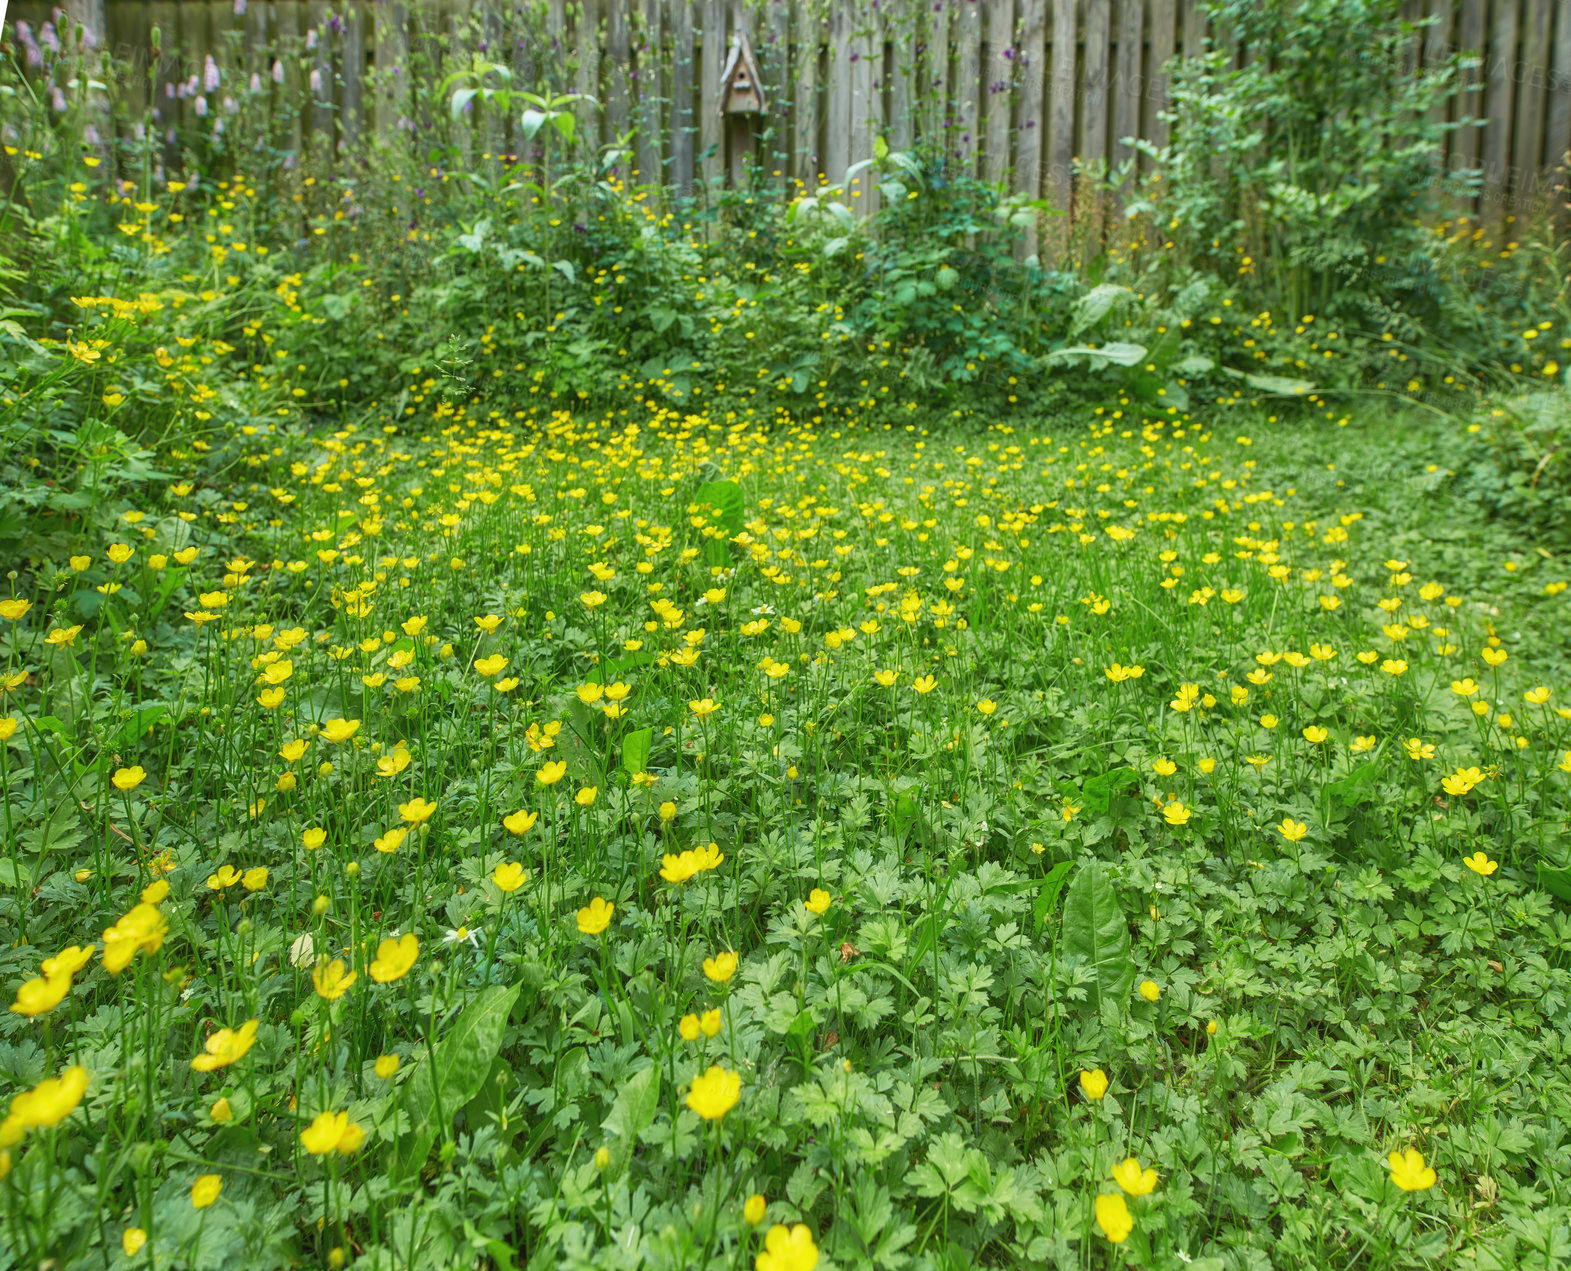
<point x="523" y="842"/>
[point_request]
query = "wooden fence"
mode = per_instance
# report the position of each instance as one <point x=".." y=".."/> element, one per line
<point x="1019" y="90"/>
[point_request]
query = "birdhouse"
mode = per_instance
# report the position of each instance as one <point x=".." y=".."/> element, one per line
<point x="741" y="89"/>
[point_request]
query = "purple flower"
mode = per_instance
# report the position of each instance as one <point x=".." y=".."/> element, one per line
<point x="310" y="39"/>
<point x="239" y="7"/>
<point x="256" y="82"/>
<point x="316" y="80"/>
<point x="278" y="71"/>
<point x="201" y="108"/>
<point x="210" y="74"/>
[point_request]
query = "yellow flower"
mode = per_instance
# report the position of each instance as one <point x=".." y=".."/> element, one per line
<point x="131" y="1241"/>
<point x="387" y="1067"/>
<point x="1134" y="1180"/>
<point x="552" y="771"/>
<point x="490" y="666"/>
<point x="1093" y="1084"/>
<point x="987" y="706"/>
<point x="221" y="1112"/>
<point x="142" y="928"/>
<point x="589" y="694"/>
<point x="817" y="901"/>
<point x="1150" y="990"/>
<point x="46" y="1104"/>
<point x="417" y="811"/>
<point x="332" y="979"/>
<point x="715" y="1093"/>
<point x="337" y="730"/>
<point x="687" y="1027"/>
<point x="314" y="838"/>
<point x="254" y="879"/>
<point x="521" y="822"/>
<point x="394" y="958"/>
<point x="392" y="840"/>
<point x="787" y="1248"/>
<point x="755" y="1208"/>
<point x="14" y="610"/>
<point x="886" y="678"/>
<point x="709" y="1022"/>
<point x="225" y="1046"/>
<point x="41" y="994"/>
<point x="1494" y="657"/>
<point x="332" y="1132"/>
<point x="129" y="778"/>
<point x="595" y="917"/>
<point x="205" y="1190"/>
<point x="1408" y="1170"/>
<point x="925" y="684"/>
<point x="1292" y="830"/>
<point x="703" y="709"/>
<point x="74" y="957"/>
<point x="585" y="797"/>
<point x="721" y="967"/>
<point x="679" y="868"/>
<point x="509" y="876"/>
<point x="1114" y="1218"/>
<point x="668" y="809"/>
<point x="8" y="726"/>
<point x="1478" y="862"/>
<point x="1175" y="813"/>
<point x="1314" y="734"/>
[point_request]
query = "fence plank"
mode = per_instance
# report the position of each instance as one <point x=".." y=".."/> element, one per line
<point x="903" y="29"/>
<point x="1030" y="133"/>
<point x="351" y="120"/>
<point x="1061" y="125"/>
<point x="1128" y="80"/>
<point x="805" y="145"/>
<point x="1527" y="141"/>
<point x="837" y="123"/>
<point x="966" y="30"/>
<point x="1195" y="21"/>
<point x="1000" y="90"/>
<point x="776" y="70"/>
<point x="1471" y="100"/>
<point x="682" y="96"/>
<point x="1499" y="94"/>
<point x="936" y="80"/>
<point x="1557" y="139"/>
<point x="619" y="56"/>
<point x="649" y="90"/>
<point x="1437" y="48"/>
<point x="1164" y="38"/>
<point x="1093" y="109"/>
<point x="866" y="109"/>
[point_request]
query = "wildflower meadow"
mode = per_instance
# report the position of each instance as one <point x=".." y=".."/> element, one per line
<point x="588" y="740"/>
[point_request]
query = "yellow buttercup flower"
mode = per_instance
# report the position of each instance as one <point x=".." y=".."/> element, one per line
<point x="1409" y="1172"/>
<point x="721" y="967"/>
<point x="521" y="822"/>
<point x="205" y="1190"/>
<point x="754" y="1210"/>
<point x="1134" y="1180"/>
<point x="417" y="811"/>
<point x="586" y="797"/>
<point x="332" y="979"/>
<point x="332" y="1132"/>
<point x="129" y="778"/>
<point x="550" y="772"/>
<point x="595" y="917"/>
<point x="817" y="901"/>
<point x="1480" y="864"/>
<point x="1150" y="990"/>
<point x="509" y="876"/>
<point x="226" y="1046"/>
<point x="715" y="1093"/>
<point x="46" y="1104"/>
<point x="1114" y="1218"/>
<point x="340" y="730"/>
<point x="394" y="958"/>
<point x="1093" y="1083"/>
<point x="787" y="1248"/>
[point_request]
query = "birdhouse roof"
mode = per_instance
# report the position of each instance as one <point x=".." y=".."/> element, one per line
<point x="740" y="61"/>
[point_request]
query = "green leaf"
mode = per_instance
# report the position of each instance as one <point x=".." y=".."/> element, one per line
<point x="1095" y="929"/>
<point x="631" y="1114"/>
<point x="1100" y="791"/>
<point x="1047" y="897"/>
<point x="1359" y="786"/>
<point x="1557" y="882"/>
<point x="442" y="1084"/>
<point x="728" y="501"/>
<point x="635" y="750"/>
<point x="1118" y="353"/>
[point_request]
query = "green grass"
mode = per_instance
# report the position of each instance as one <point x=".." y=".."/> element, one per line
<point x="1019" y="852"/>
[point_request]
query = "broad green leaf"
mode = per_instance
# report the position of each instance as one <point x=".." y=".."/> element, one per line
<point x="1047" y="896"/>
<point x="443" y="1083"/>
<point x="1118" y="353"/>
<point x="631" y="1114"/>
<point x="1100" y="791"/>
<point x="1095" y="929"/>
<point x="1557" y="882"/>
<point x="635" y="750"/>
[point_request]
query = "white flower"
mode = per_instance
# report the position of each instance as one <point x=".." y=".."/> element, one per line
<point x="463" y="935"/>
